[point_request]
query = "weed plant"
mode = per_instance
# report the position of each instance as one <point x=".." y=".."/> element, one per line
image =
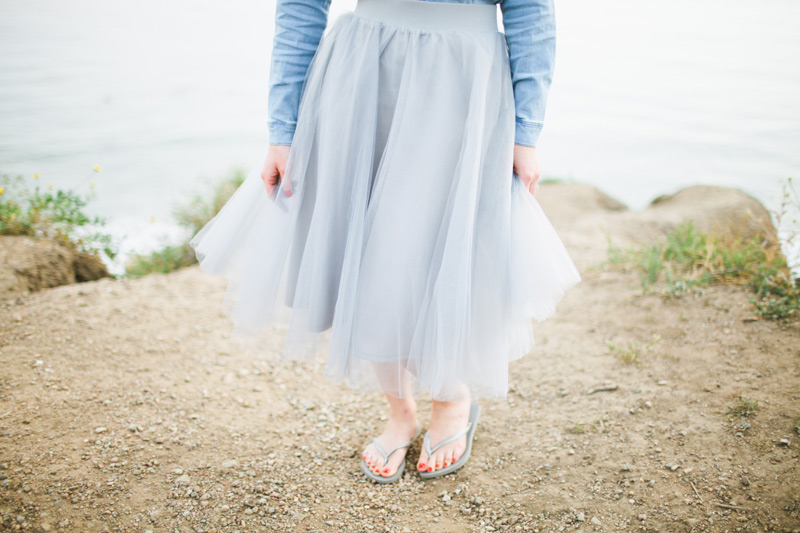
<point x="53" y="213"/>
<point x="687" y="260"/>
<point x="192" y="217"/>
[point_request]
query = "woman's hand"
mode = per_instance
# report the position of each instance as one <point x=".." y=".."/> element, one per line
<point x="526" y="165"/>
<point x="274" y="168"/>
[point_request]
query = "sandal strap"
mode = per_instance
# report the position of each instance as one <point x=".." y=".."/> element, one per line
<point x="401" y="445"/>
<point x="427" y="440"/>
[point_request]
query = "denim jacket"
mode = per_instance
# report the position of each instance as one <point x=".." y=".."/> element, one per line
<point x="529" y="27"/>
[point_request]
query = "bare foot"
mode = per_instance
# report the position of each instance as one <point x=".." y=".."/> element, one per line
<point x="447" y="419"/>
<point x="401" y="427"/>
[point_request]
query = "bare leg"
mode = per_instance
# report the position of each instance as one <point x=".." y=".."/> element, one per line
<point x="447" y="418"/>
<point x="402" y="424"/>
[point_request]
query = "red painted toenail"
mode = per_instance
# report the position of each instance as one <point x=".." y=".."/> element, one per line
<point x="385" y="470"/>
<point x="438" y="466"/>
<point x="421" y="466"/>
<point x="445" y="464"/>
<point x="430" y="469"/>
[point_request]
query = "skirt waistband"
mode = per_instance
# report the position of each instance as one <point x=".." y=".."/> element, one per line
<point x="430" y="15"/>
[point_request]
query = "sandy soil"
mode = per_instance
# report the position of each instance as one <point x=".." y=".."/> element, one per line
<point x="123" y="407"/>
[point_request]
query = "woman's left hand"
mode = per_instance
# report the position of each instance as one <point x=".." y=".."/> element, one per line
<point x="526" y="166"/>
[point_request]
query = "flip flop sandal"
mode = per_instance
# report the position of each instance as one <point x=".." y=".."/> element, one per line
<point x="394" y="477"/>
<point x="474" y="415"/>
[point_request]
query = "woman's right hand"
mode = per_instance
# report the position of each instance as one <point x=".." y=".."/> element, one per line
<point x="274" y="169"/>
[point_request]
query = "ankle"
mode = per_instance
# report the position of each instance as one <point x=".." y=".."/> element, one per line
<point x="404" y="412"/>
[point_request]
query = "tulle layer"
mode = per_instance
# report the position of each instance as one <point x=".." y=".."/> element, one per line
<point x="407" y="236"/>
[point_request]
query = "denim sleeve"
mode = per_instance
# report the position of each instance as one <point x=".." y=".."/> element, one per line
<point x="530" y="30"/>
<point x="299" y="25"/>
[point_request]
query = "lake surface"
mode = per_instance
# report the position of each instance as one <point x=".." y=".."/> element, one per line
<point x="165" y="97"/>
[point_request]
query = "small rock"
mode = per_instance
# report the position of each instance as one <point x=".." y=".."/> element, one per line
<point x="626" y="467"/>
<point x="581" y="517"/>
<point x="642" y="516"/>
<point x="596" y="521"/>
<point x="230" y="463"/>
<point x="101" y="429"/>
<point x="784" y="442"/>
<point x="182" y="480"/>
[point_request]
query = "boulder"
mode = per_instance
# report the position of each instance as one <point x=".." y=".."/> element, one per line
<point x="28" y="264"/>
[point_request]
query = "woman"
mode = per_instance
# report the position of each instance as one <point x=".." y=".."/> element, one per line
<point x="395" y="208"/>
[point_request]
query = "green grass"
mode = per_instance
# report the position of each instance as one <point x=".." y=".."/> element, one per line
<point x="54" y="213"/>
<point x="687" y="260"/>
<point x="744" y="410"/>
<point x="192" y="217"/>
<point x="632" y="352"/>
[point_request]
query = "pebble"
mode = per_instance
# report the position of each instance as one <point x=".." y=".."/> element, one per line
<point x="182" y="480"/>
<point x="784" y="442"/>
<point x="626" y="467"/>
<point x="595" y="521"/>
<point x="99" y="430"/>
<point x="581" y="517"/>
<point x="230" y="463"/>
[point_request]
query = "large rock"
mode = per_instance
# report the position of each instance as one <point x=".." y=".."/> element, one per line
<point x="28" y="264"/>
<point x="588" y="220"/>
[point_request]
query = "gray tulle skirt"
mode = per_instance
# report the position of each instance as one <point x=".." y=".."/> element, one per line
<point x="408" y="240"/>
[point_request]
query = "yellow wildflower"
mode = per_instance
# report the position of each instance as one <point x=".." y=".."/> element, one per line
<point x="2" y="190"/>
<point x="96" y="168"/>
<point x="152" y="218"/>
<point x="36" y="175"/>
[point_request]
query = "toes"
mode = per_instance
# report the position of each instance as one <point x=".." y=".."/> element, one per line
<point x="448" y="459"/>
<point x="436" y="460"/>
<point x="422" y="464"/>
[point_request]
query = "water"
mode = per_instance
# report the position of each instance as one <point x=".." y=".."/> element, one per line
<point x="166" y="96"/>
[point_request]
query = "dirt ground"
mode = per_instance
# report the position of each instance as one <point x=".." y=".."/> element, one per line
<point x="124" y="407"/>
